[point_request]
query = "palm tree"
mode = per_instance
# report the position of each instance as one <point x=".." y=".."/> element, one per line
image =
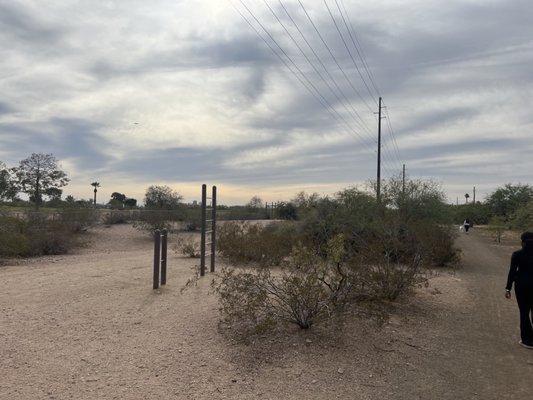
<point x="467" y="196"/>
<point x="96" y="186"/>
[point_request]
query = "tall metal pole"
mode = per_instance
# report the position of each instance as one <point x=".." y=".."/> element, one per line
<point x="164" y="239"/>
<point x="157" y="258"/>
<point x="474" y="199"/>
<point x="378" y="186"/>
<point x="202" y="240"/>
<point x="213" y="228"/>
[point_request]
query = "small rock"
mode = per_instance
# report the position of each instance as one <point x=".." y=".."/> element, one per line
<point x="340" y="370"/>
<point x="308" y="341"/>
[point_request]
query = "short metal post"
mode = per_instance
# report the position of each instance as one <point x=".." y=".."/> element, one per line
<point x="157" y="257"/>
<point x="202" y="240"/>
<point x="164" y="237"/>
<point x="213" y="227"/>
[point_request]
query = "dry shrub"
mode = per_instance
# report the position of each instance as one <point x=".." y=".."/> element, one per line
<point x="153" y="220"/>
<point x="116" y="217"/>
<point x="307" y="289"/>
<point x="310" y="287"/>
<point x="435" y="243"/>
<point x="74" y="220"/>
<point x="243" y="242"/>
<point x="187" y="246"/>
<point x="38" y="234"/>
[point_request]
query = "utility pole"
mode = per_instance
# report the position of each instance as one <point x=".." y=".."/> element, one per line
<point x="378" y="186"/>
<point x="474" y="199"/>
<point x="403" y="180"/>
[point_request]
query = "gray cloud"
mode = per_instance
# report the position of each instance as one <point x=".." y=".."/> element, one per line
<point x="214" y="100"/>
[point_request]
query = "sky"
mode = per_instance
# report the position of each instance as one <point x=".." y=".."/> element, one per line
<point x="134" y="93"/>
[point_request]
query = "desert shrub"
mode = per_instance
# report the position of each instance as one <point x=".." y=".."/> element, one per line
<point x="116" y="217"/>
<point x="478" y="213"/>
<point x="76" y="220"/>
<point x="286" y="211"/>
<point x="306" y="290"/>
<point x="152" y="220"/>
<point x="508" y="199"/>
<point x="522" y="219"/>
<point x="389" y="265"/>
<point x="13" y="241"/>
<point x="310" y="286"/>
<point x="36" y="234"/>
<point x="187" y="246"/>
<point x="435" y="243"/>
<point x="242" y="242"/>
<point x="497" y="227"/>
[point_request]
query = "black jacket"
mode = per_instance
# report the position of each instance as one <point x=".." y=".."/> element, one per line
<point x="521" y="270"/>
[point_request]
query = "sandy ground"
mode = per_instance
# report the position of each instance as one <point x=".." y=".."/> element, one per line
<point x="89" y="326"/>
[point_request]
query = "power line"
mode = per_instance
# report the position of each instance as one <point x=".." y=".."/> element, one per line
<point x="299" y="74"/>
<point x="333" y="56"/>
<point x="362" y="123"/>
<point x="347" y="48"/>
<point x="359" y="48"/>
<point x="307" y="85"/>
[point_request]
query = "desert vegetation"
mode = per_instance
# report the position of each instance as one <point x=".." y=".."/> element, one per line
<point x="509" y="206"/>
<point x="335" y="253"/>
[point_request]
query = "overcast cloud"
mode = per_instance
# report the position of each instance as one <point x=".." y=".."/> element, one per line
<point x="135" y="92"/>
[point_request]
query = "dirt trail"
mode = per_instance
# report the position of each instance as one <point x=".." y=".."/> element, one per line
<point x="88" y="326"/>
<point x="479" y="356"/>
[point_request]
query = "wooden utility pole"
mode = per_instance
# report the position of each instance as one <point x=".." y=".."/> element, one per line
<point x="378" y="185"/>
<point x="403" y="180"/>
<point x="474" y="199"/>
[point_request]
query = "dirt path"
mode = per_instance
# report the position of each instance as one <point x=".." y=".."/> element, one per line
<point x="88" y="326"/>
<point x="483" y="357"/>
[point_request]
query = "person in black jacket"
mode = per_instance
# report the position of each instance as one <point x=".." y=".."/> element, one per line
<point x="521" y="274"/>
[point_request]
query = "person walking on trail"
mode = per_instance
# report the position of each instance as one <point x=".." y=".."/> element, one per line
<point x="521" y="274"/>
<point x="466" y="225"/>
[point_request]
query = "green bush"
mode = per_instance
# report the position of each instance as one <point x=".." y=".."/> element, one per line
<point x="308" y="289"/>
<point x="243" y="242"/>
<point x="35" y="234"/>
<point x="311" y="287"/>
<point x="522" y="219"/>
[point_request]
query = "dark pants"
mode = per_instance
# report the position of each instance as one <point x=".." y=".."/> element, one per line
<point x="467" y="227"/>
<point x="524" y="297"/>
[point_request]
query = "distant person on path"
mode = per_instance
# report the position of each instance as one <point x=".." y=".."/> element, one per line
<point x="466" y="225"/>
<point x="521" y="274"/>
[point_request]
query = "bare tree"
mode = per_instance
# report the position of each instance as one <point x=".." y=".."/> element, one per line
<point x="38" y="173"/>
<point x="255" y="202"/>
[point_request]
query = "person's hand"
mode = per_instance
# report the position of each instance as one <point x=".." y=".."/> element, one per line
<point x="507" y="294"/>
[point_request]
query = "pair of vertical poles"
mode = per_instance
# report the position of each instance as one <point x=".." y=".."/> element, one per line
<point x="160" y="258"/>
<point x="208" y="229"/>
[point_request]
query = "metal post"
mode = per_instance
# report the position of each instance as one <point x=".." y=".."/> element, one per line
<point x="164" y="237"/>
<point x="202" y="240"/>
<point x="157" y="257"/>
<point x="213" y="227"/>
